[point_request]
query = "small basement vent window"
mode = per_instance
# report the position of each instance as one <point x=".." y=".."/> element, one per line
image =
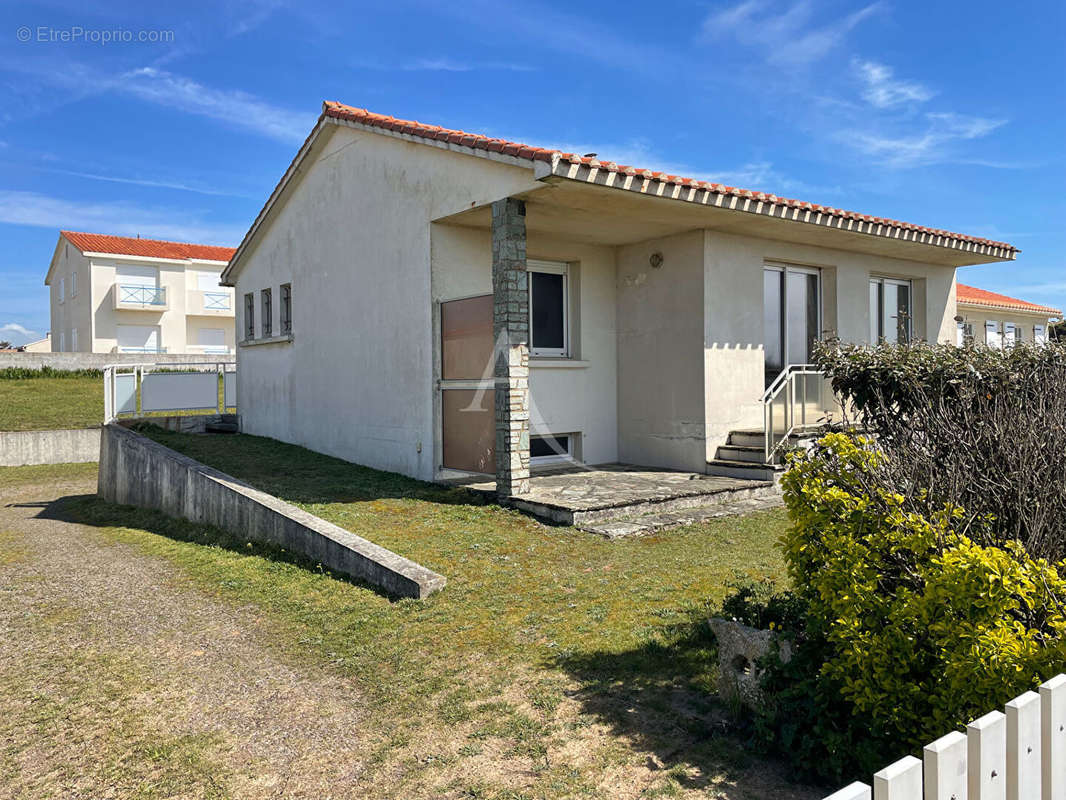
<point x="550" y="448"/>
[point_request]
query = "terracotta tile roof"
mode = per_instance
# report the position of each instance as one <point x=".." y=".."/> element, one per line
<point x="973" y="296"/>
<point x="788" y="208"/>
<point x="150" y="248"/>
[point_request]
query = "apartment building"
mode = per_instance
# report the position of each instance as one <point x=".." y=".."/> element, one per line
<point x="115" y="294"/>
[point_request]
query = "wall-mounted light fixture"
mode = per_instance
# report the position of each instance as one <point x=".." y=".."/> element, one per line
<point x="656" y="260"/>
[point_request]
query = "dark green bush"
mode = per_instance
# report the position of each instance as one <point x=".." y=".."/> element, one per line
<point x="25" y="373"/>
<point x="975" y="428"/>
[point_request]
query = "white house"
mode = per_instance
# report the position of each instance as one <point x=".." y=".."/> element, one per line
<point x="431" y="301"/>
<point x="998" y="320"/>
<point x="117" y="294"/>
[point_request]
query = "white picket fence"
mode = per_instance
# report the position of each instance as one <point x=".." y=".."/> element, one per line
<point x="1020" y="755"/>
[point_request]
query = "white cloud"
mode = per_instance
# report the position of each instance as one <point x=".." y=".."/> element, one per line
<point x="157" y="184"/>
<point x="789" y="37"/>
<point x="932" y="145"/>
<point x="233" y="107"/>
<point x="450" y="65"/>
<point x="124" y="219"/>
<point x="882" y="90"/>
<point x="13" y="328"/>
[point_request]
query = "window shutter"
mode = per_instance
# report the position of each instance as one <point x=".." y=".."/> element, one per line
<point x="960" y="334"/>
<point x="1040" y="334"/>
<point x="1008" y="334"/>
<point x="992" y="334"/>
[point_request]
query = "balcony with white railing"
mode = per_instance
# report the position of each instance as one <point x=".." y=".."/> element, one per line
<point x="209" y="350"/>
<point x="136" y="297"/>
<point x="128" y="349"/>
<point x="209" y="303"/>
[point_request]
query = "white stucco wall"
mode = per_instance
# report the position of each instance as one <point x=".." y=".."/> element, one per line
<point x="978" y="315"/>
<point x="352" y="235"/>
<point x="661" y="397"/>
<point x="734" y="334"/>
<point x="73" y="311"/>
<point x="563" y="398"/>
<point x="92" y="310"/>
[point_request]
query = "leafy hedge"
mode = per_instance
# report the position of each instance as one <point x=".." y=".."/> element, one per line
<point x="979" y="429"/>
<point x="910" y="628"/>
<point x="25" y="373"/>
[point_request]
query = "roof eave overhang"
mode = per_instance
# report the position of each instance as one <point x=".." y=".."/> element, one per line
<point x="768" y="206"/>
<point x="1035" y="312"/>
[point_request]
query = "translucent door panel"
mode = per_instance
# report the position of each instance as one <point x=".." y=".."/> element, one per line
<point x="469" y="430"/>
<point x="466" y="338"/>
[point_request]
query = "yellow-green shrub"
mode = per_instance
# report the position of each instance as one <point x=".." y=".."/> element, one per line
<point x="921" y="629"/>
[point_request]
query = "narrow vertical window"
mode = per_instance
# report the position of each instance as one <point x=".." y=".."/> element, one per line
<point x="62" y="290"/>
<point x="286" y="308"/>
<point x="549" y="335"/>
<point x="249" y="316"/>
<point x="267" y="323"/>
<point x="73" y="284"/>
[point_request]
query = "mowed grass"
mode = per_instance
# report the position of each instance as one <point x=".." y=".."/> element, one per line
<point x="573" y="656"/>
<point x="48" y="403"/>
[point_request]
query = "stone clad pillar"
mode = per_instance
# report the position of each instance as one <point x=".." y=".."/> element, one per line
<point x="510" y="323"/>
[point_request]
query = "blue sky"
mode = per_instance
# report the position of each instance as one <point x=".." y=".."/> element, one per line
<point x="947" y="114"/>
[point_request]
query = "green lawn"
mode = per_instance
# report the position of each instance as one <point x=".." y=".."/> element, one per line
<point x="47" y="403"/>
<point x="576" y="655"/>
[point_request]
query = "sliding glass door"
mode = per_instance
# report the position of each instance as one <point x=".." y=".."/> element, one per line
<point x="791" y="316"/>
<point x="890" y="311"/>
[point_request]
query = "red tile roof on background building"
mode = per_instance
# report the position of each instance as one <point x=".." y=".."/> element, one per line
<point x="478" y="142"/>
<point x="981" y="297"/>
<point x="148" y="248"/>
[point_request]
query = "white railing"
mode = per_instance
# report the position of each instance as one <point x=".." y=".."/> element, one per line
<point x="123" y="349"/>
<point x="789" y="389"/>
<point x="1019" y="755"/>
<point x="142" y="295"/>
<point x="216" y="301"/>
<point x="138" y="390"/>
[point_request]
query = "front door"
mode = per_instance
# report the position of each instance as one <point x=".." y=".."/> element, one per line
<point x="792" y="316"/>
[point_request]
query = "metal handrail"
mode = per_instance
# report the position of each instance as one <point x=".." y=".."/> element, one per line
<point x="143" y="295"/>
<point x="785" y="382"/>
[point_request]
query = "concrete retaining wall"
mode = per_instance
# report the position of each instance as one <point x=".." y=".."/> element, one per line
<point x="20" y="448"/>
<point x="75" y="361"/>
<point x="136" y="471"/>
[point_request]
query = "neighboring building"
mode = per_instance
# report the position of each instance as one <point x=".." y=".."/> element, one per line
<point x="995" y="319"/>
<point x="637" y="317"/>
<point x="114" y="294"/>
<point x="40" y="345"/>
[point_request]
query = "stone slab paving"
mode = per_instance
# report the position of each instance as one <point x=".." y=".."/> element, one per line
<point x="622" y="527"/>
<point x="608" y="486"/>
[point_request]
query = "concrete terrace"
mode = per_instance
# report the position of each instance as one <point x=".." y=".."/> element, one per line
<point x="618" y="500"/>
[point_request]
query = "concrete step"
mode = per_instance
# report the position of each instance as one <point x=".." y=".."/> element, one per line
<point x="736" y="452"/>
<point x="745" y="470"/>
<point x="751" y="438"/>
<point x="642" y="524"/>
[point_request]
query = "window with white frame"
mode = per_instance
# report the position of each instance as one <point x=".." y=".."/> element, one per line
<point x="546" y="448"/>
<point x="549" y="333"/>
<point x="891" y="311"/>
<point x="74" y="284"/>
<point x="62" y="289"/>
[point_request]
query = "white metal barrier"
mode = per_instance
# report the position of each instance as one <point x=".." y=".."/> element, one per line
<point x="1019" y="755"/>
<point x="137" y="390"/>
